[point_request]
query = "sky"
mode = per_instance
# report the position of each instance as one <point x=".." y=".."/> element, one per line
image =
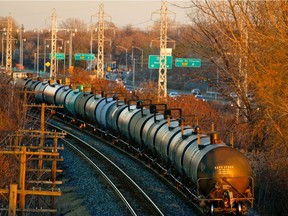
<point x="138" y="13"/>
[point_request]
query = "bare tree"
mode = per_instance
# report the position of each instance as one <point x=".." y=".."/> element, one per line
<point x="247" y="42"/>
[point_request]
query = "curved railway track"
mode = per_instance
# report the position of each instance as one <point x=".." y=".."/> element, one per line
<point x="135" y="199"/>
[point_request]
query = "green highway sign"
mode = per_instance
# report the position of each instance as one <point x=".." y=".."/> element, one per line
<point x="154" y="62"/>
<point x="59" y="56"/>
<point x="187" y="62"/>
<point x="84" y="56"/>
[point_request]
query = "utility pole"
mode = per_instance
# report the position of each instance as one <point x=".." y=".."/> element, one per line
<point x="9" y="48"/>
<point x="101" y="41"/>
<point x="100" y="56"/>
<point x="162" y="80"/>
<point x="26" y="155"/>
<point x="21" y="31"/>
<point x="2" y="48"/>
<point x="37" y="55"/>
<point x="133" y="61"/>
<point x="53" y="72"/>
<point x="72" y="33"/>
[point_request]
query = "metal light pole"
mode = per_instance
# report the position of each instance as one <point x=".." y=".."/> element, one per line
<point x="37" y="68"/>
<point x="133" y="60"/>
<point x="91" y="49"/>
<point x="21" y="47"/>
<point x="44" y="63"/>
<point x="72" y="33"/>
<point x="141" y="54"/>
<point x="133" y="69"/>
<point x="65" y="56"/>
<point x="2" y="46"/>
<point x="126" y="55"/>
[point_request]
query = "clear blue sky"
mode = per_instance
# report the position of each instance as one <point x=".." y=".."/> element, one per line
<point x="138" y="13"/>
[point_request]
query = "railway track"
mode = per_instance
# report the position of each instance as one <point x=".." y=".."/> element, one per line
<point x="140" y="202"/>
<point x="134" y="198"/>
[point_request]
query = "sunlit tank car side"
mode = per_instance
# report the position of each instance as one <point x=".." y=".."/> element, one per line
<point x="91" y="106"/>
<point x="101" y="111"/>
<point x="125" y="118"/>
<point x="115" y="116"/>
<point x="157" y="131"/>
<point x="39" y="89"/>
<point x="32" y="84"/>
<point x="50" y="93"/>
<point x="163" y="142"/>
<point x="213" y="163"/>
<point x="220" y="172"/>
<point x="80" y="104"/>
<point x="106" y="111"/>
<point x="70" y="101"/>
<point x="109" y="110"/>
<point x="147" y="127"/>
<point x="140" y="131"/>
<point x="61" y="95"/>
<point x="134" y="129"/>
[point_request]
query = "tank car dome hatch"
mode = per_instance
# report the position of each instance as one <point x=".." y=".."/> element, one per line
<point x="197" y="129"/>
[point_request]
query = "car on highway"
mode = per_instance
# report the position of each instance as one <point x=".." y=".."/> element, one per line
<point x="174" y="94"/>
<point x="200" y="97"/>
<point x="196" y="91"/>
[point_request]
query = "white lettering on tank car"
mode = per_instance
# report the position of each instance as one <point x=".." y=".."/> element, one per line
<point x="224" y="170"/>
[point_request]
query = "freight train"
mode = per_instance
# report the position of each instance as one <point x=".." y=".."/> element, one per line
<point x="221" y="175"/>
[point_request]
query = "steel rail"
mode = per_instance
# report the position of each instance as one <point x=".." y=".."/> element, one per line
<point x="155" y="207"/>
<point x="114" y="187"/>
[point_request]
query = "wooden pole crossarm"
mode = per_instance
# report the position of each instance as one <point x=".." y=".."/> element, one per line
<point x="48" y="136"/>
<point x="45" y="132"/>
<point x="39" y="106"/>
<point x="43" y="170"/>
<point x="54" y="154"/>
<point x="37" y="147"/>
<point x="48" y="159"/>
<point x="34" y="192"/>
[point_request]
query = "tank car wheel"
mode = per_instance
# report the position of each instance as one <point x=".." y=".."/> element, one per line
<point x="239" y="209"/>
<point x="212" y="209"/>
